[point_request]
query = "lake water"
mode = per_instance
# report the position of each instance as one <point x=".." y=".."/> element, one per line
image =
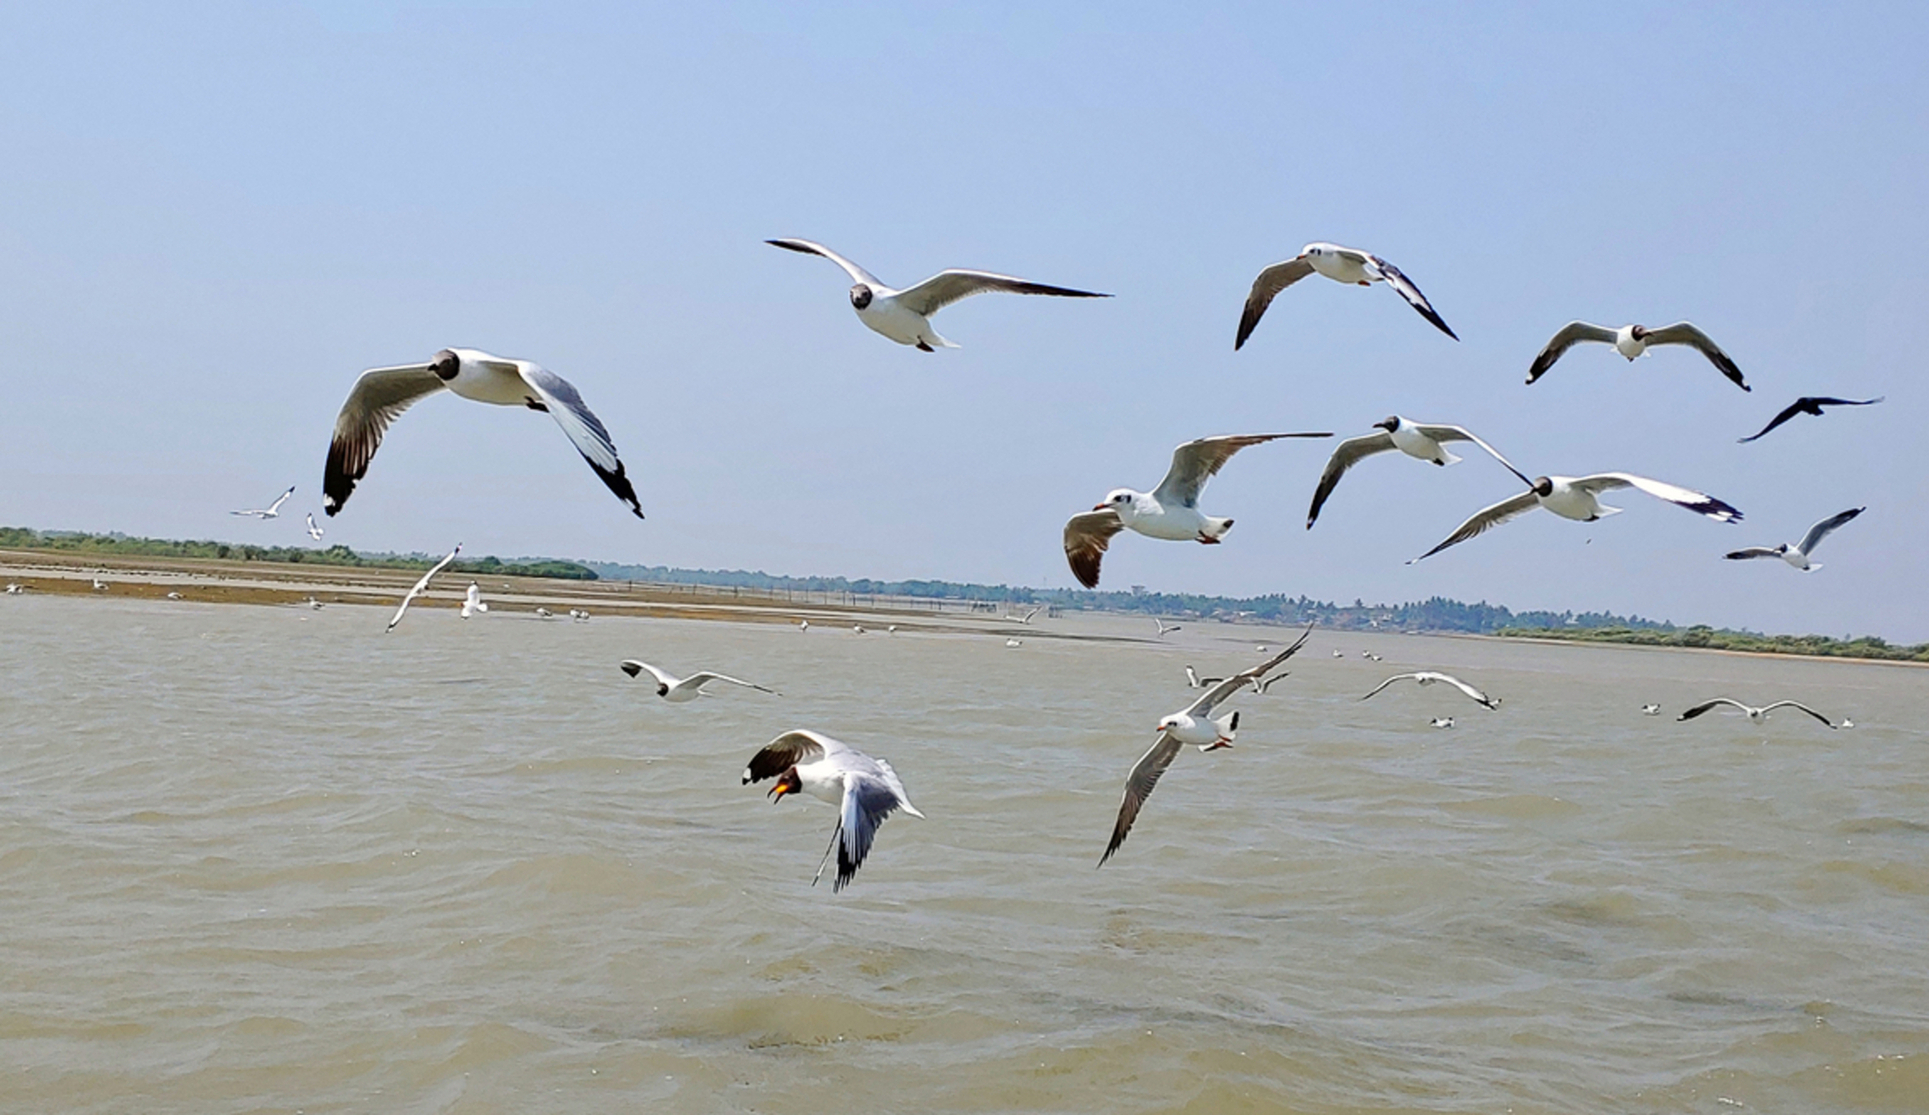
<point x="267" y="859"/>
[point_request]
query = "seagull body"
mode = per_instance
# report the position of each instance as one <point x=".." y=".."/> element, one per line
<point x="1442" y="721"/>
<point x="314" y="531"/>
<point x="803" y="625"/>
<point x="1342" y="265"/>
<point x="1421" y="441"/>
<point x="905" y="315"/>
<point x="1574" y="497"/>
<point x="420" y="586"/>
<point x="1170" y="511"/>
<point x="864" y="790"/>
<point x="1431" y="677"/>
<point x="472" y="601"/>
<point x="382" y="394"/>
<point x="678" y="690"/>
<point x="544" y="613"/>
<point x="1194" y="725"/>
<point x="1810" y="404"/>
<point x="1633" y="340"/>
<point x="315" y="605"/>
<point x="1797" y="555"/>
<point x="1755" y="715"/>
<point x="273" y="510"/>
<point x="1650" y="710"/>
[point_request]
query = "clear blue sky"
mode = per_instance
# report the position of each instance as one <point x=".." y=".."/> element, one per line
<point x="216" y="216"/>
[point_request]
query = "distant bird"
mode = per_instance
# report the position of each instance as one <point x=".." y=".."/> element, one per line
<point x="1170" y="511"/>
<point x="1194" y="725"/>
<point x="864" y="790"/>
<point x="472" y="601"/>
<point x="1370" y="656"/>
<point x="544" y="613"/>
<point x="1194" y="681"/>
<point x="14" y="589"/>
<point x="1811" y="404"/>
<point x="1755" y="715"/>
<point x="1442" y="721"/>
<point x="1631" y="341"/>
<point x="271" y="511"/>
<point x="1165" y="628"/>
<point x="314" y="531"/>
<point x="315" y="605"/>
<point x="1026" y="618"/>
<point x="1430" y="677"/>
<point x="1651" y="710"/>
<point x="100" y="585"/>
<point x="1013" y="643"/>
<point x="857" y="629"/>
<point x="891" y="630"/>
<point x="1422" y="441"/>
<point x="803" y="625"/>
<point x="1573" y="497"/>
<point x="422" y="585"/>
<point x="1797" y="555"/>
<point x="174" y="596"/>
<point x="1261" y="648"/>
<point x="905" y="315"/>
<point x="1260" y="687"/>
<point x="382" y="394"/>
<point x="580" y="615"/>
<point x="1343" y="265"/>
<point x="677" y="690"/>
<point x="1846" y="723"/>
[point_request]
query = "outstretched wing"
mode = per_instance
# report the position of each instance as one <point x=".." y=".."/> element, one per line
<point x="633" y="667"/>
<point x="1698" y="502"/>
<point x="1087" y="534"/>
<point x="1459" y="433"/>
<point x="421" y="586"/>
<point x="1390" y="681"/>
<point x="1268" y="283"/>
<point x="946" y="287"/>
<point x="1138" y="786"/>
<point x="705" y="677"/>
<point x="1752" y="552"/>
<point x="584" y="430"/>
<point x="857" y="274"/>
<point x="788" y="750"/>
<point x="1345" y="455"/>
<point x="868" y="800"/>
<point x="1791" y="410"/>
<point x="1799" y="705"/>
<point x="1486" y="519"/>
<point x="274" y="508"/>
<point x="1571" y="334"/>
<point x="1396" y="279"/>
<point x="1210" y="698"/>
<point x="1706" y="705"/>
<point x="1198" y="461"/>
<point x="1470" y="691"/>
<point x="1826" y="527"/>
<point x="378" y="398"/>
<point x="1685" y="333"/>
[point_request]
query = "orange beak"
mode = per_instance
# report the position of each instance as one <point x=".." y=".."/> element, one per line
<point x="1100" y="506"/>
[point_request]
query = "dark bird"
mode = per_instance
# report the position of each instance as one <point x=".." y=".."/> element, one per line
<point x="1811" y="404"/>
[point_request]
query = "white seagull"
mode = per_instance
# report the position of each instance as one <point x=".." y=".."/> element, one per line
<point x="1164" y="627"/>
<point x="1194" y="725"/>
<point x="1260" y="687"/>
<point x="1339" y="654"/>
<point x="905" y="315"/>
<point x="1170" y="511"/>
<point x="1442" y="721"/>
<point x="472" y="601"/>
<point x="421" y="585"/>
<point x="1013" y="643"/>
<point x="544" y="613"/>
<point x="1421" y="441"/>
<point x="100" y="585"/>
<point x="1755" y="715"/>
<point x="314" y="531"/>
<point x="1430" y="677"/>
<point x="1633" y="340"/>
<point x="1573" y="497"/>
<point x="1342" y="265"/>
<point x="174" y="596"/>
<point x="315" y="605"/>
<point x="1026" y="618"/>
<point x="677" y="690"/>
<point x="382" y="394"/>
<point x="1797" y="555"/>
<point x="1650" y="710"/>
<point x="864" y="790"/>
<point x="14" y="589"/>
<point x="273" y="510"/>
<point x="1194" y="681"/>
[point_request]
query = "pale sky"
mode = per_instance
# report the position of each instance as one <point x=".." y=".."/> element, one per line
<point x="216" y="217"/>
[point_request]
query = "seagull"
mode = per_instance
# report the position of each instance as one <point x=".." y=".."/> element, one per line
<point x="1369" y="656"/>
<point x="891" y="630"/>
<point x="14" y="589"/>
<point x="382" y="394"/>
<point x="1165" y="628"/>
<point x="1810" y="404"/>
<point x="1650" y="710"/>
<point x="1846" y="723"/>
<point x="1261" y="648"/>
<point x="273" y="510"/>
<point x="857" y="629"/>
<point x="1344" y="265"/>
<point x="1026" y="618"/>
<point x="1418" y="440"/>
<point x="1429" y="677"/>
<point x="1573" y="497"/>
<point x="1169" y="512"/>
<point x="544" y="613"/>
<point x="864" y="790"/>
<point x="1260" y="687"/>
<point x="472" y="601"/>
<point x="174" y="596"/>
<point x="905" y="315"/>
<point x="580" y="615"/>
<point x="315" y="605"/>
<point x="1755" y="715"/>
<point x="803" y="625"/>
<point x="314" y="531"/>
<point x="1797" y="555"/>
<point x="678" y="690"/>
<point x="100" y="585"/>
<point x="1633" y="340"/>
<point x="421" y="585"/>
<point x="1013" y="643"/>
<point x="1194" y="725"/>
<point x="1194" y="681"/>
<point x="1442" y="722"/>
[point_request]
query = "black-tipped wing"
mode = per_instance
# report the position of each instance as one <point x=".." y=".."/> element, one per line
<point x="1138" y="786"/>
<point x="1345" y="455"/>
<point x="868" y="800"/>
<point x="584" y="430"/>
<point x="705" y="677"/>
<point x="1268" y="284"/>
<point x="1699" y="502"/>
<point x="788" y="750"/>
<point x="1826" y="527"/>
<point x="1396" y="279"/>
<point x="1486" y="519"/>
<point x="1799" y="705"/>
<point x="1209" y="700"/>
<point x="946" y="287"/>
<point x="378" y="398"/>
<point x="1704" y="706"/>
<point x="1200" y="460"/>
<point x="857" y="274"/>
<point x="420" y="587"/>
<point x="1571" y="334"/>
<point x="1685" y="333"/>
<point x="1087" y="534"/>
<point x="1460" y="433"/>
<point x="1747" y="552"/>
<point x="1811" y="404"/>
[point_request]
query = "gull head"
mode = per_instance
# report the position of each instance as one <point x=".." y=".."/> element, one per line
<point x="861" y="296"/>
<point x="445" y="365"/>
<point x="787" y="783"/>
<point x="1390" y="423"/>
<point x="1314" y="250"/>
<point x="1543" y="487"/>
<point x="1170" y="724"/>
<point x="1119" y="500"/>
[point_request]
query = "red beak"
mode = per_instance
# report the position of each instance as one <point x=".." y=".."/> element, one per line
<point x="1100" y="506"/>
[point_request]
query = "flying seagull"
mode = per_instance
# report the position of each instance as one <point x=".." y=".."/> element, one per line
<point x="1343" y="265"/>
<point x="1755" y="715"/>
<point x="472" y="601"/>
<point x="382" y="394"/>
<point x="1442" y="721"/>
<point x="1429" y="677"/>
<point x="1164" y="627"/>
<point x="1811" y="404"/>
<point x="1422" y="441"/>
<point x="422" y="585"/>
<point x="1026" y="618"/>
<point x="1573" y="497"/>
<point x="905" y="315"/>
<point x="1193" y="725"/>
<point x="314" y="531"/>
<point x="1797" y="555"/>
<point x="1633" y="340"/>
<point x="1261" y="687"/>
<point x="864" y="790"/>
<point x="273" y="510"/>
<point x="1194" y="681"/>
<point x="677" y="690"/>
<point x="1650" y="710"/>
<point x="1170" y="511"/>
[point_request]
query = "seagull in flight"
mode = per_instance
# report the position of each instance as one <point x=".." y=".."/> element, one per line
<point x="314" y="531"/>
<point x="1422" y="441"/>
<point x="1164" y="627"/>
<point x="273" y="510"/>
<point x="1797" y="555"/>
<point x="1650" y="710"/>
<point x="421" y="586"/>
<point x="1194" y="681"/>
<point x="1442" y="721"/>
<point x="1755" y="715"/>
<point x="1026" y="618"/>
<point x="864" y="790"/>
<point x="1431" y="677"/>
<point x="905" y="315"/>
<point x="1573" y="497"/>
<point x="1633" y="340"/>
<point x="382" y="394"/>
<point x="1342" y="265"/>
<point x="1810" y="404"/>
<point x="1170" y="511"/>
<point x="1195" y="725"/>
<point x="677" y="690"/>
<point x="472" y="601"/>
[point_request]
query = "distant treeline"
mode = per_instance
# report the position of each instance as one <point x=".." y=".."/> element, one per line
<point x="1822" y="645"/>
<point x="121" y="545"/>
